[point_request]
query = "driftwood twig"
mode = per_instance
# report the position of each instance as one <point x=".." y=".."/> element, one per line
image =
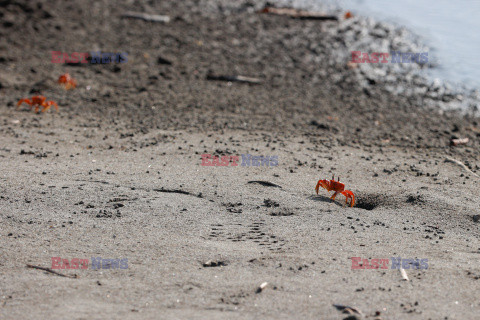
<point x="299" y="14"/>
<point x="146" y="16"/>
<point x="234" y="79"/>
<point x="461" y="164"/>
<point x="52" y="271"/>
<point x="456" y="142"/>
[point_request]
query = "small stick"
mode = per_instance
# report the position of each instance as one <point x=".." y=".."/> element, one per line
<point x="234" y="79"/>
<point x="300" y="14"/>
<point x="51" y="271"/>
<point x="146" y="16"/>
<point x="456" y="142"/>
<point x="261" y="287"/>
<point x="347" y="309"/>
<point x="447" y="159"/>
<point x="265" y="183"/>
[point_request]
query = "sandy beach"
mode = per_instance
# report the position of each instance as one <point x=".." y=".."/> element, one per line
<point x="117" y="172"/>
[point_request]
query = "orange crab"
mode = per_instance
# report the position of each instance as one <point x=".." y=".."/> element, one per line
<point x="67" y="81"/>
<point x="338" y="188"/>
<point x="37" y="102"/>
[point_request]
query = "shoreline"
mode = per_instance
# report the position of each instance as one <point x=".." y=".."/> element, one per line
<point x="456" y="95"/>
<point x="410" y="79"/>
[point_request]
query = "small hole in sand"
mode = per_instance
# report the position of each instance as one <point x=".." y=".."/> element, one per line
<point x="365" y="205"/>
<point x="368" y="202"/>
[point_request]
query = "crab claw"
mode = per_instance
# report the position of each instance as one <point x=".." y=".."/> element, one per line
<point x="325" y="184"/>
<point x="27" y="101"/>
<point x="349" y="195"/>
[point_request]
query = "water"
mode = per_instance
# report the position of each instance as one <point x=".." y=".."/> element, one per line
<point x="451" y="28"/>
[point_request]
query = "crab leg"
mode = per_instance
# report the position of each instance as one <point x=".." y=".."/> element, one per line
<point x="48" y="104"/>
<point x="349" y="195"/>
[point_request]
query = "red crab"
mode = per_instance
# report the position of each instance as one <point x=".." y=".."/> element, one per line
<point x="37" y="102"/>
<point x="338" y="188"/>
<point x="67" y="81"/>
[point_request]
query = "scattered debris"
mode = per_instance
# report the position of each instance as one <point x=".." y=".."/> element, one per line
<point x="473" y="275"/>
<point x="161" y="60"/>
<point x="299" y="14"/>
<point x="447" y="159"/>
<point x="214" y="263"/>
<point x="323" y="126"/>
<point x="52" y="271"/>
<point x="117" y="205"/>
<point x="270" y="203"/>
<point x="352" y="65"/>
<point x="233" y="207"/>
<point x="26" y="152"/>
<point x="107" y="214"/>
<point x="146" y="16"/>
<point x="177" y="191"/>
<point x="261" y="287"/>
<point x="476" y="218"/>
<point x="242" y="79"/>
<point x="282" y="213"/>
<point x="456" y="142"/>
<point x="171" y="191"/>
<point x="265" y="183"/>
<point x="416" y="199"/>
<point x="476" y="130"/>
<point x="347" y="309"/>
<point x="119" y="199"/>
<point x="404" y="274"/>
<point x="94" y="181"/>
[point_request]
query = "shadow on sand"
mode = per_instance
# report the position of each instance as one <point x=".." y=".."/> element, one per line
<point x="324" y="199"/>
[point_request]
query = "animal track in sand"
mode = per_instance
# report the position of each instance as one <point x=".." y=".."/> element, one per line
<point x="253" y="232"/>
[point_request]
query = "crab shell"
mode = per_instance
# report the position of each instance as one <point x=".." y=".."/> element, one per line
<point x="338" y="187"/>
